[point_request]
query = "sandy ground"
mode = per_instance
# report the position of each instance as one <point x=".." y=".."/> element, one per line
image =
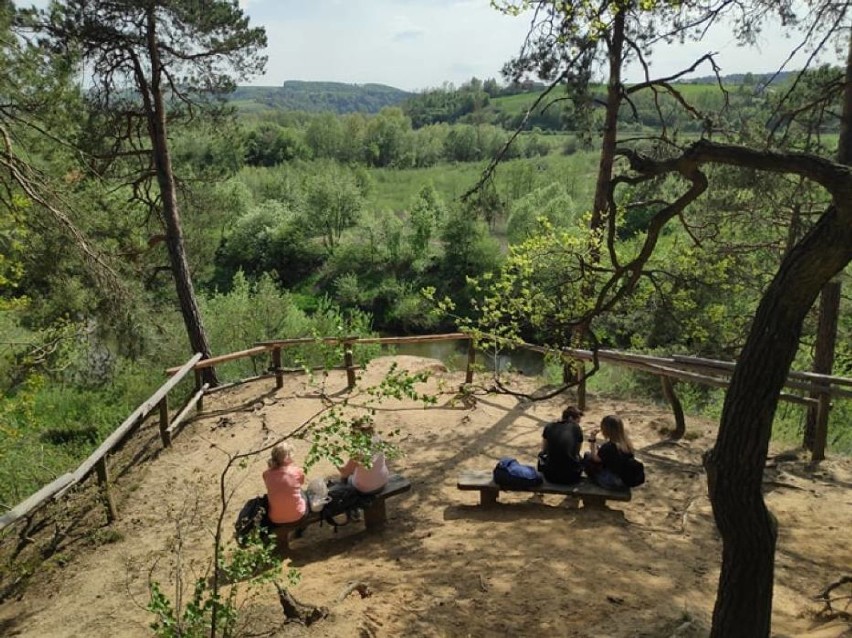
<point x="444" y="566"/>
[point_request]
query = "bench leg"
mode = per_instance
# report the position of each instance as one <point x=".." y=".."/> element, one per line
<point x="488" y="497"/>
<point x="282" y="538"/>
<point x="376" y="515"/>
<point x="596" y="502"/>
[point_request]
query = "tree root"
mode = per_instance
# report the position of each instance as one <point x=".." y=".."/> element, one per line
<point x="828" y="611"/>
<point x="294" y="611"/>
<point x="356" y="585"/>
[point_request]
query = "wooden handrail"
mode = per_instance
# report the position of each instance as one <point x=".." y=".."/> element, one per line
<point x="139" y="413"/>
<point x="213" y="361"/>
<point x="65" y="482"/>
<point x="46" y="493"/>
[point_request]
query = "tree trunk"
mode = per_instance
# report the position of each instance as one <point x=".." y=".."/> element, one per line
<point x="610" y="127"/>
<point x="609" y="140"/>
<point x="174" y="234"/>
<point x="735" y="464"/>
<point x="829" y="307"/>
<point x="826" y="338"/>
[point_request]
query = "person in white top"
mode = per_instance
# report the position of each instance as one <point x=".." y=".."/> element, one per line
<point x="366" y="478"/>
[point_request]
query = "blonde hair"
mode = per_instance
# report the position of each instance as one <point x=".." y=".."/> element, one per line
<point x="363" y="425"/>
<point x="612" y="427"/>
<point x="281" y="455"/>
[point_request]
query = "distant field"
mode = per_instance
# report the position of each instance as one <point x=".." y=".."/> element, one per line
<point x="394" y="189"/>
<point x="514" y="104"/>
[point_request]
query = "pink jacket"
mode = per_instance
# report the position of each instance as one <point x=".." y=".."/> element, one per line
<point x="284" y="488"/>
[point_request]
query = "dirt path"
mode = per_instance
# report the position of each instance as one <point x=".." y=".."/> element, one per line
<point x="444" y="566"/>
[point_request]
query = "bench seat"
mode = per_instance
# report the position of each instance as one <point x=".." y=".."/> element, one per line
<point x="375" y="516"/>
<point x="590" y="493"/>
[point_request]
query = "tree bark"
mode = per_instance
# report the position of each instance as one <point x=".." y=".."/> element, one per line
<point x="610" y="127"/>
<point x="735" y="464"/>
<point x="157" y="129"/>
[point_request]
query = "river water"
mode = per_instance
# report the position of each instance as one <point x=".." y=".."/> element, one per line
<point x="454" y="356"/>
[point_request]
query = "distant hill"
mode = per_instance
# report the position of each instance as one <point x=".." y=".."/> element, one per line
<point x="336" y="97"/>
<point x="742" y="78"/>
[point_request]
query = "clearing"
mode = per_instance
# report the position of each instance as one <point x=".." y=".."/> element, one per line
<point x="443" y="566"/>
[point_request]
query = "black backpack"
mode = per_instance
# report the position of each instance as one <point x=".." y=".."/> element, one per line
<point x="509" y="473"/>
<point x="343" y="502"/>
<point x="632" y="472"/>
<point x="252" y="516"/>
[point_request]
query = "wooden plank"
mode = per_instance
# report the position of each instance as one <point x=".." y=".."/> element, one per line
<point x="397" y="484"/>
<point x="103" y="480"/>
<point x="389" y="341"/>
<point x="132" y="421"/>
<point x="194" y="400"/>
<point x="233" y="384"/>
<point x="36" y="500"/>
<point x="374" y="517"/>
<point x="451" y="336"/>
<point x="213" y="361"/>
<point x="483" y="480"/>
<point x="301" y="341"/>
<point x="823" y="379"/>
<point x="164" y="421"/>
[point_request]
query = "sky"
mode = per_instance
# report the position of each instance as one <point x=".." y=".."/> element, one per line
<point x="419" y="44"/>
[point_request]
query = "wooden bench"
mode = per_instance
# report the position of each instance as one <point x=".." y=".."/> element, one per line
<point x="375" y="516"/>
<point x="591" y="494"/>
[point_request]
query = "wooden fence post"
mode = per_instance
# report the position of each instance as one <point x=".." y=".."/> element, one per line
<point x="276" y="367"/>
<point x="677" y="408"/>
<point x="349" y="362"/>
<point x="164" y="421"/>
<point x="821" y="430"/>
<point x="103" y="480"/>
<point x="581" y="386"/>
<point x="471" y="361"/>
<point x="199" y="384"/>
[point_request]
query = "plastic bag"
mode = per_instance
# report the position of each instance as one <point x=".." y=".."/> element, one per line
<point x="317" y="494"/>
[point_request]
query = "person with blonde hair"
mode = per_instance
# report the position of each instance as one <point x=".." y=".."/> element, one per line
<point x="607" y="465"/>
<point x="284" y="480"/>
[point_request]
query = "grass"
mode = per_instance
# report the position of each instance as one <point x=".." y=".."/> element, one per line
<point x="699" y="401"/>
<point x="393" y="189"/>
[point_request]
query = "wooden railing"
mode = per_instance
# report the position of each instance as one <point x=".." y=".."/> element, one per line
<point x="691" y="369"/>
<point x="97" y="460"/>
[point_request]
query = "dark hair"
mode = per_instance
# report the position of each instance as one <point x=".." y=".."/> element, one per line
<point x="571" y="412"/>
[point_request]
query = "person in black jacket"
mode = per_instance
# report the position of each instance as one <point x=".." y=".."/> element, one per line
<point x="606" y="465"/>
<point x="559" y="459"/>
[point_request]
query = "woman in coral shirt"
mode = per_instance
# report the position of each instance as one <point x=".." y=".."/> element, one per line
<point x="284" y="480"/>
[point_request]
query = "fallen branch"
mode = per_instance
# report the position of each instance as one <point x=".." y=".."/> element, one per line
<point x="294" y="611"/>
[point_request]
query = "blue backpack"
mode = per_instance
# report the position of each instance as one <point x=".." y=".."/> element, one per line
<point x="509" y="473"/>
